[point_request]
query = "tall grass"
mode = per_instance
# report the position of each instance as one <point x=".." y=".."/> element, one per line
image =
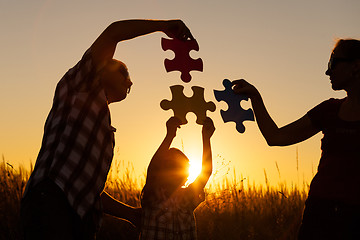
<point x="233" y="209"/>
<point x="238" y="212"/>
<point x="12" y="185"/>
<point x="122" y="183"/>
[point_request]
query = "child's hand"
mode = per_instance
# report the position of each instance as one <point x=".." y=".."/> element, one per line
<point x="171" y="125"/>
<point x="208" y="128"/>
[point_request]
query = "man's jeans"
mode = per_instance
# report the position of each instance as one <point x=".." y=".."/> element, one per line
<point x="46" y="214"/>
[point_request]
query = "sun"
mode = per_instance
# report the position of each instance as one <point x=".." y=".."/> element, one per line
<point x="194" y="170"/>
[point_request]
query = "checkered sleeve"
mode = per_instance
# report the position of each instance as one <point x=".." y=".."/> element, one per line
<point x="83" y="76"/>
<point x="78" y="141"/>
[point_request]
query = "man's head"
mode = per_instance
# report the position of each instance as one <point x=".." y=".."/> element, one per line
<point x="115" y="80"/>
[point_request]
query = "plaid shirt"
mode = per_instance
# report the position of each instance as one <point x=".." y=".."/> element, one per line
<point x="78" y="141"/>
<point x="171" y="218"/>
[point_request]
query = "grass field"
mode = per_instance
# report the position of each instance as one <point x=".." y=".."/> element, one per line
<point x="233" y="209"/>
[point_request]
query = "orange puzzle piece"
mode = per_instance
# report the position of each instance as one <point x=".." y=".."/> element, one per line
<point x="181" y="105"/>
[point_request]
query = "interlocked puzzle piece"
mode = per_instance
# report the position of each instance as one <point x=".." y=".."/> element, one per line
<point x="235" y="112"/>
<point x="182" y="61"/>
<point x="181" y="105"/>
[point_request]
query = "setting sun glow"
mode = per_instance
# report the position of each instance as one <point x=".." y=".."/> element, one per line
<point x="194" y="170"/>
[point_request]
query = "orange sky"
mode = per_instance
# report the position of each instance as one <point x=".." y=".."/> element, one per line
<point x="281" y="46"/>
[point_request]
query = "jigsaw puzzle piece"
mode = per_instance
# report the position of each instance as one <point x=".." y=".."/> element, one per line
<point x="235" y="112"/>
<point x="237" y="117"/>
<point x="178" y="103"/>
<point x="181" y="105"/>
<point x="199" y="105"/>
<point x="182" y="61"/>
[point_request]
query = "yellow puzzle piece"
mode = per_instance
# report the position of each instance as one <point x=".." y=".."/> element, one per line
<point x="181" y="105"/>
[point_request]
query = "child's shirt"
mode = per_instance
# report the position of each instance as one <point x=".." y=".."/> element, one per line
<point x="171" y="218"/>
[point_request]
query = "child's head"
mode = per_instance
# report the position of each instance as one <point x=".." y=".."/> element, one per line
<point x="170" y="173"/>
<point x="174" y="170"/>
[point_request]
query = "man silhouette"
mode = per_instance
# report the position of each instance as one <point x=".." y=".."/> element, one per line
<point x="64" y="197"/>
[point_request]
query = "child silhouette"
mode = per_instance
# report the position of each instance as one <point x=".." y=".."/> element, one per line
<point x="168" y="206"/>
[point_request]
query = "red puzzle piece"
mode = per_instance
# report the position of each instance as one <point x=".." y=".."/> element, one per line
<point x="182" y="61"/>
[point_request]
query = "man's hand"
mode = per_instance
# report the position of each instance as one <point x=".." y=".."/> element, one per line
<point x="172" y="125"/>
<point x="136" y="221"/>
<point x="177" y="29"/>
<point x="119" y="209"/>
<point x="208" y="128"/>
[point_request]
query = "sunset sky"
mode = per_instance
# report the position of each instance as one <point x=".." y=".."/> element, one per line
<point x="280" y="46"/>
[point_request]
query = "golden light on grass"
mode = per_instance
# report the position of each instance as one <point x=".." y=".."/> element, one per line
<point x="260" y="212"/>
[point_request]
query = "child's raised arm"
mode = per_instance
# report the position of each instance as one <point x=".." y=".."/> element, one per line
<point x="171" y="127"/>
<point x="206" y="170"/>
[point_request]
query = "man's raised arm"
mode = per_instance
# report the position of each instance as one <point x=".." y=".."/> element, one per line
<point x="103" y="48"/>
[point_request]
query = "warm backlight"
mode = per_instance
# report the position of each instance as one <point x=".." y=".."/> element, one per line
<point x="194" y="170"/>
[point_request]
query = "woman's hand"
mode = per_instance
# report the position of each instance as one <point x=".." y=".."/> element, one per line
<point x="241" y="86"/>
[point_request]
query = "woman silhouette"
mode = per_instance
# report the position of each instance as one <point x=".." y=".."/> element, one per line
<point x="332" y="210"/>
